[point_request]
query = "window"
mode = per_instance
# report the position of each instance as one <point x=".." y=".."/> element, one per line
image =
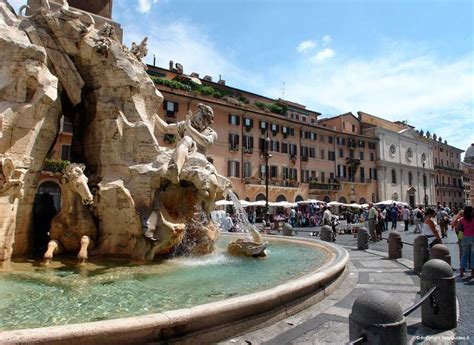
<point x="392" y="150"/>
<point x="323" y="176"/>
<point x="234" y="141"/>
<point x="312" y="152"/>
<point x="353" y="128"/>
<point x="247" y="144"/>
<point x="263" y="125"/>
<point x="361" y="143"/>
<point x="361" y="155"/>
<point x="284" y="130"/>
<point x="362" y="174"/>
<point x="341" y="153"/>
<point x="291" y="131"/>
<point x="263" y="169"/>
<point x="321" y="138"/>
<point x="66" y="125"/>
<point x="275" y="146"/>
<point x="233" y="169"/>
<point x="372" y="146"/>
<point x="341" y="141"/>
<point x="331" y="139"/>
<point x="66" y="152"/>
<point x="275" y="128"/>
<point x="171" y="108"/>
<point x="343" y="125"/>
<point x="341" y="171"/>
<point x="234" y="120"/>
<point x="331" y="155"/>
<point x="372" y="157"/>
<point x="410" y="178"/>
<point x="247" y="169"/>
<point x="394" y="176"/>
<point x="284" y="148"/>
<point x="304" y="153"/>
<point x="351" y="153"/>
<point x="293" y="149"/>
<point x="248" y="123"/>
<point x="322" y="154"/>
<point x="313" y="136"/>
<point x="273" y="171"/>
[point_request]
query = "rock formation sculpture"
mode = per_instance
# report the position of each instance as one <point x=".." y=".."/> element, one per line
<point x="57" y="62"/>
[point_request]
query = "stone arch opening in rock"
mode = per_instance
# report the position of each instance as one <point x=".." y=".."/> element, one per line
<point x="46" y="205"/>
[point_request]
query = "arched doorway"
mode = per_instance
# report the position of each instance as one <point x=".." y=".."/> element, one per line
<point x="280" y="198"/>
<point x="326" y="199"/>
<point x="260" y="197"/>
<point x="46" y="205"/>
<point x="343" y="200"/>
<point x="362" y="201"/>
<point x="299" y="198"/>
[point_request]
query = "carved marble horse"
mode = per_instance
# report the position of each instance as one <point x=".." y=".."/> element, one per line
<point x="73" y="228"/>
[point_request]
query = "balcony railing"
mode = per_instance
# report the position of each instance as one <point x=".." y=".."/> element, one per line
<point x="325" y="186"/>
<point x="304" y="158"/>
<point x="233" y="147"/>
<point x="248" y="150"/>
<point x="442" y="167"/>
<point x="293" y="157"/>
<point x="272" y="182"/>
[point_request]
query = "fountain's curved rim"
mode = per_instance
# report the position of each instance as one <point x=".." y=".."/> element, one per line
<point x="211" y="321"/>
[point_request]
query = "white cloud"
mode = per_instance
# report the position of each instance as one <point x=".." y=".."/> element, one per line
<point x="322" y="55"/>
<point x="305" y="46"/>
<point x="430" y="93"/>
<point x="144" y="6"/>
<point x="185" y="43"/>
<point x="327" y="39"/>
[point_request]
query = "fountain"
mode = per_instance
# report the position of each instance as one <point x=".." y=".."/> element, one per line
<point x="255" y="245"/>
<point x="137" y="215"/>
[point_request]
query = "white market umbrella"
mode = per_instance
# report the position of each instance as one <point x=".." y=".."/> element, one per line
<point x="336" y="203"/>
<point x="224" y="202"/>
<point x="355" y="205"/>
<point x="283" y="204"/>
<point x="310" y="201"/>
<point x="256" y="203"/>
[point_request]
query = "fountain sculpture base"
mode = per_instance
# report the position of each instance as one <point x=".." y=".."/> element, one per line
<point x="247" y="248"/>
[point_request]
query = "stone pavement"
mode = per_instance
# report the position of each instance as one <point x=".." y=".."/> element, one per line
<point x="327" y="322"/>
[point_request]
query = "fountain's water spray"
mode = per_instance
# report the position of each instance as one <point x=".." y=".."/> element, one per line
<point x="242" y="219"/>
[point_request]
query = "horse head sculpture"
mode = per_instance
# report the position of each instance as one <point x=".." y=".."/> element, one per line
<point x="74" y="175"/>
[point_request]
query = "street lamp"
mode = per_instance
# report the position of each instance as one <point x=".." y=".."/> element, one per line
<point x="424" y="186"/>
<point x="267" y="156"/>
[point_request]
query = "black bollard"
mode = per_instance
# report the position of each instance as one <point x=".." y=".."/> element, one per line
<point x="287" y="229"/>
<point x="395" y="245"/>
<point x="378" y="317"/>
<point x="420" y="253"/>
<point x="438" y="311"/>
<point x="362" y="239"/>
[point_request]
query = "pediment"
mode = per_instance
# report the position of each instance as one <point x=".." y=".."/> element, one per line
<point x="411" y="190"/>
<point x="409" y="133"/>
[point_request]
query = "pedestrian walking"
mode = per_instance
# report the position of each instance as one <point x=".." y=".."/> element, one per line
<point x="465" y="224"/>
<point x="418" y="215"/>
<point x="394" y="216"/>
<point x="428" y="229"/>
<point x="442" y="218"/>
<point x="372" y="219"/>
<point x="406" y="216"/>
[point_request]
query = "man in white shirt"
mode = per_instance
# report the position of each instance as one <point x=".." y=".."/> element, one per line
<point x="406" y="216"/>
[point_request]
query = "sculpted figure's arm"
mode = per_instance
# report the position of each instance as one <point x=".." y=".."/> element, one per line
<point x="167" y="128"/>
<point x="205" y="140"/>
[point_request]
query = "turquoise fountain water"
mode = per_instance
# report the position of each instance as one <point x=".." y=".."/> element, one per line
<point x="33" y="296"/>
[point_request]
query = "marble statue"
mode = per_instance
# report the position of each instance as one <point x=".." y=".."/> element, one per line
<point x="150" y="200"/>
<point x="73" y="228"/>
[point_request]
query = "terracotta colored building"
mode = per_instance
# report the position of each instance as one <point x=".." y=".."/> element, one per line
<point x="468" y="176"/>
<point x="309" y="158"/>
<point x="448" y="173"/>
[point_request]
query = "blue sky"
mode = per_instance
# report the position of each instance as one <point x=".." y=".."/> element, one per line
<point x="401" y="60"/>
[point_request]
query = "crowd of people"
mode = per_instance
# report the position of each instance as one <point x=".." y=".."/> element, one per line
<point x="430" y="222"/>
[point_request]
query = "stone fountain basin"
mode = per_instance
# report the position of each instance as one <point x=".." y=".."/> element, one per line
<point x="206" y="322"/>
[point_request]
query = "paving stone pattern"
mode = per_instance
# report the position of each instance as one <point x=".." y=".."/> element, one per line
<point x="327" y="322"/>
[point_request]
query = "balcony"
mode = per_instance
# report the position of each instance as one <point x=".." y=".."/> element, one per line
<point x="292" y="157"/>
<point x="333" y="185"/>
<point x="272" y="182"/>
<point x="248" y="150"/>
<point x="233" y="147"/>
<point x="445" y="168"/>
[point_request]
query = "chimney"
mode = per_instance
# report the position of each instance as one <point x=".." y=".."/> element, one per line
<point x="221" y="81"/>
<point x="171" y="65"/>
<point x="207" y="78"/>
<point x="194" y="75"/>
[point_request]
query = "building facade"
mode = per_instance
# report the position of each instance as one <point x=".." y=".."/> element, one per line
<point x="405" y="166"/>
<point x="309" y="158"/>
